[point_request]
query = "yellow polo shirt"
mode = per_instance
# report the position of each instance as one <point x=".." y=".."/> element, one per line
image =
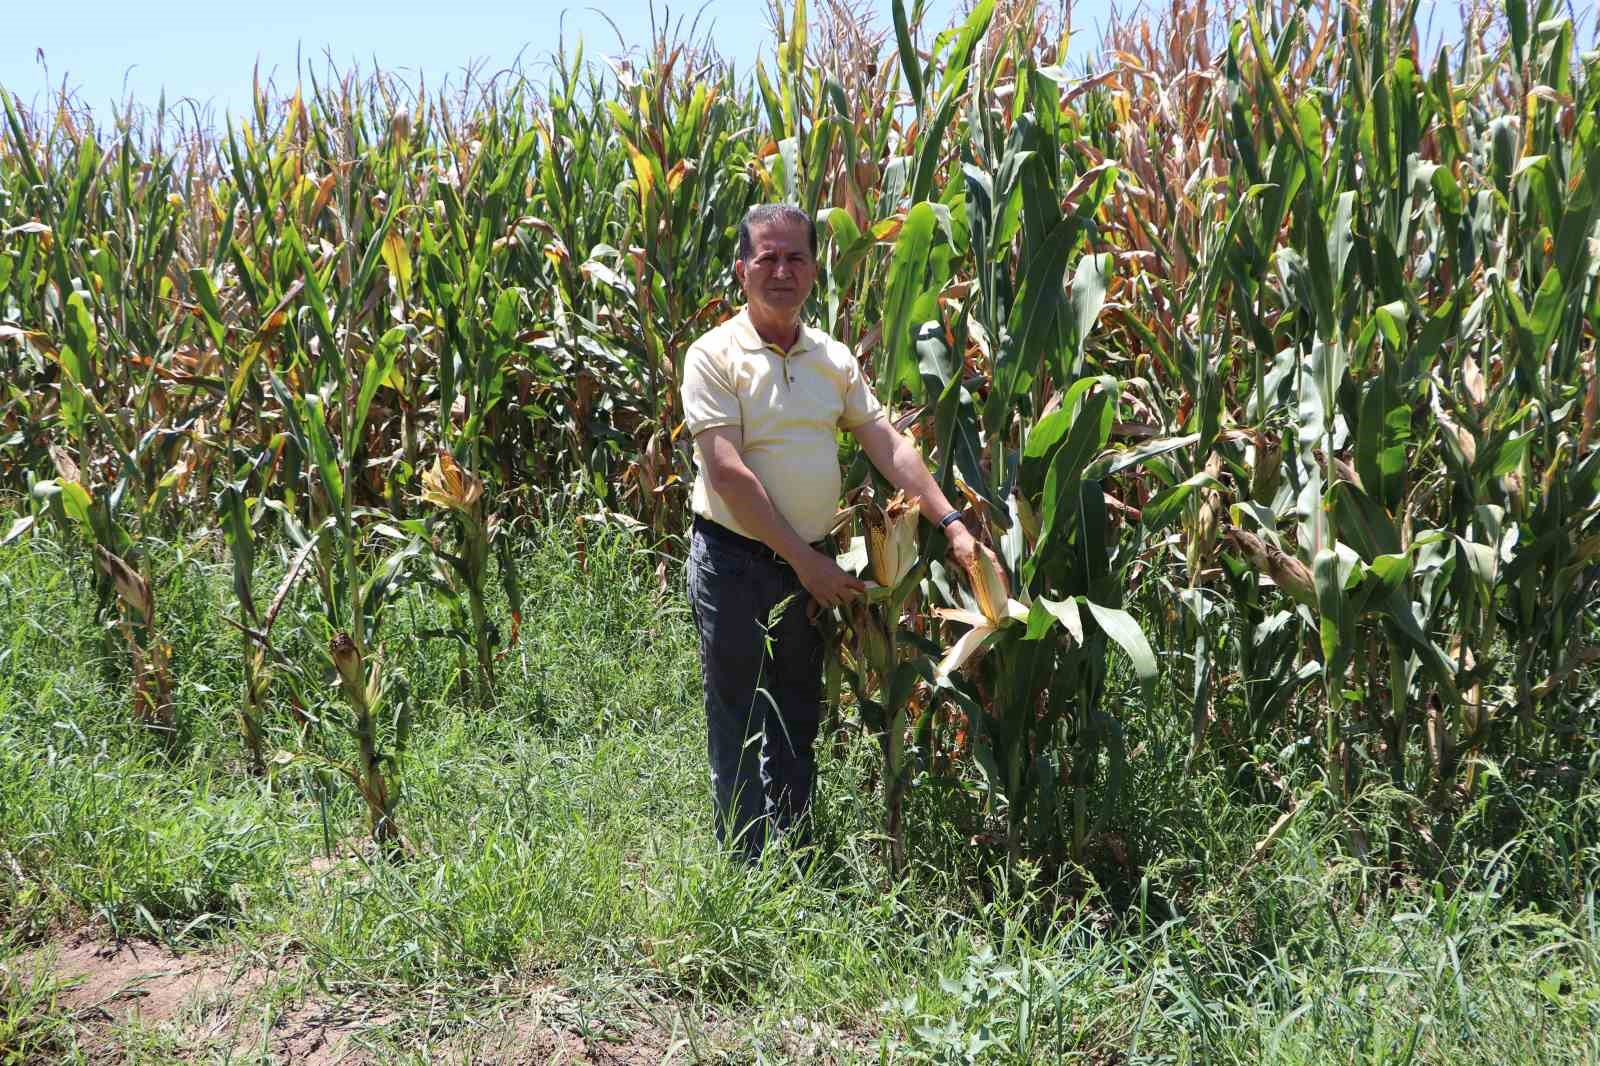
<point x="790" y="406"/>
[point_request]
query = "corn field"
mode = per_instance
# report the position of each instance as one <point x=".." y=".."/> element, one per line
<point x="1262" y="352"/>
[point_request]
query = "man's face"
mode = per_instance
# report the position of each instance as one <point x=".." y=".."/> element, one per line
<point x="778" y="276"/>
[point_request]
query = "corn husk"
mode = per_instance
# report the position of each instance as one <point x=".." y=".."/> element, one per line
<point x="447" y="485"/>
<point x="132" y="589"/>
<point x="996" y="609"/>
<point x="1266" y="469"/>
<point x="1287" y="572"/>
<point x="989" y="588"/>
<point x="892" y="538"/>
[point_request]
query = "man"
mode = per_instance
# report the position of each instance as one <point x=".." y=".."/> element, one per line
<point x="764" y="397"/>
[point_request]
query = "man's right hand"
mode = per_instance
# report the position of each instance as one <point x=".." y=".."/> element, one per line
<point x="828" y="584"/>
<point x="722" y="461"/>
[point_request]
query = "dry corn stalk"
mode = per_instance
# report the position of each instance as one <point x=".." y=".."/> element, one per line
<point x="1202" y="546"/>
<point x="362" y="686"/>
<point x="152" y="678"/>
<point x="448" y="485"/>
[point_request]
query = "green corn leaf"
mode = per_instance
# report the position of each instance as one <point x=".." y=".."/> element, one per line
<point x="1363" y="523"/>
<point x="1066" y="612"/>
<point x="206" y="294"/>
<point x="1447" y="193"/>
<point x="1517" y="22"/>
<point x="1059" y="513"/>
<point x="1120" y="626"/>
<point x="909" y="63"/>
<point x="241" y="378"/>
<point x="1505" y="454"/>
<point x="1046" y="435"/>
<point x="74" y="499"/>
<point x="931" y="140"/>
<point x="1340" y="242"/>
<point x="79" y="357"/>
<point x="1481" y="560"/>
<point x="315" y="418"/>
<point x="1549" y="303"/>
<point x="313" y="293"/>
<point x="1330" y="608"/>
<point x="960" y="446"/>
<point x="907" y="275"/>
<point x="972" y="30"/>
<point x="291" y="413"/>
<point x="774" y="106"/>
<point x="1390" y="571"/>
<point x="231" y="509"/>
<point x="1117" y="462"/>
<point x="1400" y="611"/>
<point x="380" y="364"/>
<point x="1035" y="322"/>
<point x="1168" y="504"/>
<point x="22" y="143"/>
<point x="1391" y="320"/>
<point x="840" y="226"/>
<point x="792" y="52"/>
<point x="1089" y="284"/>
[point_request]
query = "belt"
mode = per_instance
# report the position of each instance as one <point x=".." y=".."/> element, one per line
<point x="723" y="537"/>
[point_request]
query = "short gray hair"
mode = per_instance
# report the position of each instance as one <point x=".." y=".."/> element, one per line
<point x="768" y="214"/>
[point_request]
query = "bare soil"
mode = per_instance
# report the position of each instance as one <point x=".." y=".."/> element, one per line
<point x="199" y="1001"/>
<point x="193" y="1005"/>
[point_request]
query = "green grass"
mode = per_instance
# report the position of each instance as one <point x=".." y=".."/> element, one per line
<point x="561" y="848"/>
<point x="32" y="1028"/>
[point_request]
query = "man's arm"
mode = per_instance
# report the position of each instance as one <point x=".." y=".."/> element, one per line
<point x="737" y="485"/>
<point x="898" y="460"/>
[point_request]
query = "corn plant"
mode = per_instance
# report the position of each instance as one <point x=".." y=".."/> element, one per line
<point x="125" y="444"/>
<point x="1270" y="346"/>
<point x="888" y="673"/>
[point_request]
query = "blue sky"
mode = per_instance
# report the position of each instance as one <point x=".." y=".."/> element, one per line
<point x="107" y="49"/>
<point x="206" y="50"/>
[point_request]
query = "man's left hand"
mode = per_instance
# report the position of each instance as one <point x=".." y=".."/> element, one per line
<point x="964" y="547"/>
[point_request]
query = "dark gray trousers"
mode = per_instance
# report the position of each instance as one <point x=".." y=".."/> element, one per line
<point x="763" y="685"/>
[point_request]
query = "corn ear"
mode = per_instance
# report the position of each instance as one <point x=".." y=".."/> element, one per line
<point x="892" y="538"/>
<point x="447" y="485"/>
<point x="989" y="587"/>
<point x="1266" y="469"/>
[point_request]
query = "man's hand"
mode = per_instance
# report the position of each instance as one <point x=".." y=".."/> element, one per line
<point x="964" y="547"/>
<point x="898" y="460"/>
<point x="828" y="584"/>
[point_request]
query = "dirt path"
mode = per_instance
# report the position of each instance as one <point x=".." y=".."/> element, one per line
<point x="191" y="1006"/>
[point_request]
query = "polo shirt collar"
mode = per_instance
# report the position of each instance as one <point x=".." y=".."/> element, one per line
<point x="744" y="332"/>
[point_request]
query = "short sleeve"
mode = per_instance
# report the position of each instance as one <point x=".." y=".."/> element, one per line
<point x="709" y="399"/>
<point x="861" y="405"/>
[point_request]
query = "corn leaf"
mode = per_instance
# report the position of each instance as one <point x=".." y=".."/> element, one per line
<point x="1120" y="626"/>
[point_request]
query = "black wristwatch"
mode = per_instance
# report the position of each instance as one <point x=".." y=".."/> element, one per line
<point x="953" y="516"/>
